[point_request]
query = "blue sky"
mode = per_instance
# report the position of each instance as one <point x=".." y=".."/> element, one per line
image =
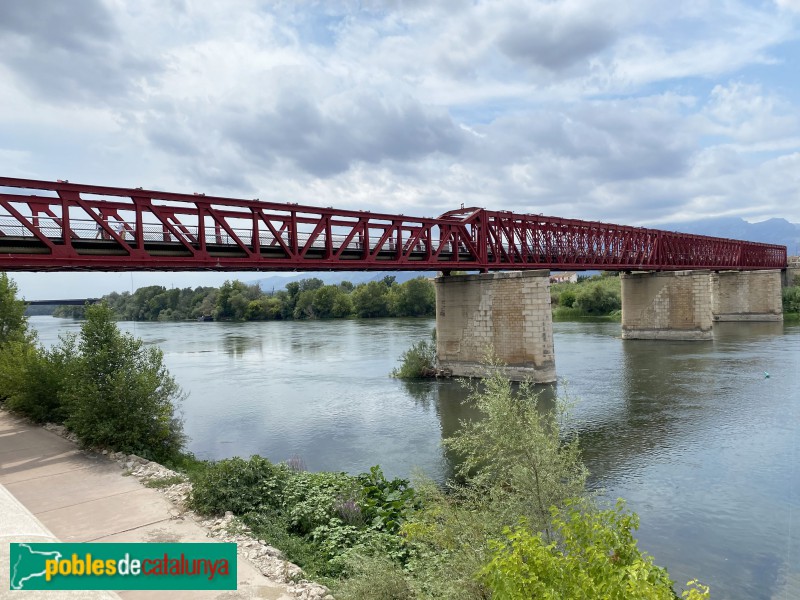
<point x="635" y="112"/>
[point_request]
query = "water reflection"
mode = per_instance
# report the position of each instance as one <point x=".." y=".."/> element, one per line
<point x="239" y="345"/>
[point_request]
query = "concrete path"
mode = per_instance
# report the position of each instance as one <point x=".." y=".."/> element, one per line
<point x="52" y="491"/>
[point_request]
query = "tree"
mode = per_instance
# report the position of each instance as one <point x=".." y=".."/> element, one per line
<point x="13" y="323"/>
<point x="232" y="300"/>
<point x="598" y="297"/>
<point x="370" y="300"/>
<point x="325" y="300"/>
<point x="516" y="452"/>
<point x="17" y="343"/>
<point x="415" y="298"/>
<point x="121" y="395"/>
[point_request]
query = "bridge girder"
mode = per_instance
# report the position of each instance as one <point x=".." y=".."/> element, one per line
<point x="63" y="226"/>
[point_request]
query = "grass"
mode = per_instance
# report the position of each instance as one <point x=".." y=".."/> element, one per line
<point x="165" y="482"/>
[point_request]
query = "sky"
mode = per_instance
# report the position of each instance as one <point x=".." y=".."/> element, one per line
<point x="640" y="113"/>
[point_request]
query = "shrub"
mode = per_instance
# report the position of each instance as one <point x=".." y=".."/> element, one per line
<point x="41" y="377"/>
<point x="311" y="499"/>
<point x="120" y="395"/>
<point x="590" y="554"/>
<point x="417" y="362"/>
<point x="375" y="578"/>
<point x="567" y="298"/>
<point x="517" y="451"/>
<point x="791" y="299"/>
<point x="599" y="297"/>
<point x="239" y="486"/>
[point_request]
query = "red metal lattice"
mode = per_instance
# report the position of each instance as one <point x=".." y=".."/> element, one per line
<point x="66" y="226"/>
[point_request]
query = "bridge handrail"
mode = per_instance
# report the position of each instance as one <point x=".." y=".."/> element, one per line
<point x="135" y="221"/>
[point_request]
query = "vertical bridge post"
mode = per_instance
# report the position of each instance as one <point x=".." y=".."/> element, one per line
<point x="508" y="312"/>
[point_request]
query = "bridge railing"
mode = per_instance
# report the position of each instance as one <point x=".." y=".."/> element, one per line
<point x="66" y="225"/>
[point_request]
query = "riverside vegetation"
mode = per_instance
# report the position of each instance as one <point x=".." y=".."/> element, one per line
<point x="518" y="523"/>
<point x="304" y="299"/>
<point x="595" y="296"/>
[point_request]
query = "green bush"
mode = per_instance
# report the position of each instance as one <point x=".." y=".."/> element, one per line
<point x="375" y="578"/>
<point x="567" y="298"/>
<point x="417" y="362"/>
<point x="386" y="503"/>
<point x="515" y="463"/>
<point x="41" y="377"/>
<point x="791" y="299"/>
<point x="599" y="297"/>
<point x="517" y="451"/>
<point x="120" y="394"/>
<point x="589" y="554"/>
<point x="239" y="486"/>
<point x="311" y="499"/>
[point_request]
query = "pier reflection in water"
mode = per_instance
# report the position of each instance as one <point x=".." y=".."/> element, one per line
<point x="702" y="445"/>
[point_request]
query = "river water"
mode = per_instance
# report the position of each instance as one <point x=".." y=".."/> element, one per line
<point x="694" y="435"/>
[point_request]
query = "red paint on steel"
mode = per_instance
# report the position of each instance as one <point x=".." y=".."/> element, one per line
<point x="65" y="226"/>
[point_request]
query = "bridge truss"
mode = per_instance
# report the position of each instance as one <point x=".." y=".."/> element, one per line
<point x="59" y="226"/>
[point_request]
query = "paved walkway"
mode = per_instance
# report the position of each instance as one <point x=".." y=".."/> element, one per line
<point x="52" y="491"/>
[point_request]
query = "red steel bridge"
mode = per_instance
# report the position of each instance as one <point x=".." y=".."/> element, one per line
<point x="59" y="226"/>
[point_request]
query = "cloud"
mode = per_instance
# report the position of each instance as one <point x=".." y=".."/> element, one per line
<point x="634" y="112"/>
<point x="792" y="5"/>
<point x="69" y="51"/>
<point x="553" y="36"/>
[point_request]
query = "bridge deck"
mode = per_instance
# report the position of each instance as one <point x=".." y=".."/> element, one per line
<point x="69" y="226"/>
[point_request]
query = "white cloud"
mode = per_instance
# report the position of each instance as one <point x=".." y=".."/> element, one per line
<point x="627" y="111"/>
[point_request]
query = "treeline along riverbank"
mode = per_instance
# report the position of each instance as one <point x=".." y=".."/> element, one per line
<point x="594" y="296"/>
<point x="304" y="299"/>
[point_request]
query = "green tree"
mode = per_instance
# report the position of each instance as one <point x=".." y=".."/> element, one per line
<point x="13" y="323"/>
<point x="414" y="298"/>
<point x="304" y="305"/>
<point x="599" y="297"/>
<point x="371" y="300"/>
<point x="342" y="306"/>
<point x="17" y="343"/>
<point x="121" y="395"/>
<point x="325" y="300"/>
<point x="232" y="300"/>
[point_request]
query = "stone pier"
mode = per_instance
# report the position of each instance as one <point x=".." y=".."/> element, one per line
<point x="669" y="305"/>
<point x="746" y="296"/>
<point x="792" y="272"/>
<point x="509" y="312"/>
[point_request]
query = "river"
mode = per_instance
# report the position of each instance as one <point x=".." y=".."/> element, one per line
<point x="696" y="437"/>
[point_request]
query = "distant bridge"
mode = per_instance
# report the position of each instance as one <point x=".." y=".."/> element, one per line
<point x="71" y="302"/>
<point x="66" y="226"/>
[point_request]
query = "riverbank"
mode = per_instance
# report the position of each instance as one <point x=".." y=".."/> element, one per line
<point x="83" y="496"/>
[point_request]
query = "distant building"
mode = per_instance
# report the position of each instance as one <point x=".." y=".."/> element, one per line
<point x="563" y="277"/>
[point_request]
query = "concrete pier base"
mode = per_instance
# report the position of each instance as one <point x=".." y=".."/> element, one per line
<point x="669" y="305"/>
<point x="507" y="312"/>
<point x="746" y="296"/>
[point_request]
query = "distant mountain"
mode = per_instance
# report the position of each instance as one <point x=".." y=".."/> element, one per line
<point x="278" y="282"/>
<point x="771" y="231"/>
